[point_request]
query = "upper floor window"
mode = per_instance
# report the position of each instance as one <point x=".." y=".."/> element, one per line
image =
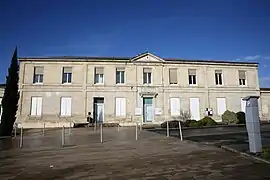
<point x="242" y="78"/>
<point x="38" y="75"/>
<point x="192" y="80"/>
<point x="218" y="77"/>
<point x="173" y="75"/>
<point x="120" y="75"/>
<point x="99" y="75"/>
<point x="67" y="75"/>
<point x="147" y="75"/>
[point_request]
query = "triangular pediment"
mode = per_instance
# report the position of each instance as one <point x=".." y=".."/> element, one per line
<point x="147" y="57"/>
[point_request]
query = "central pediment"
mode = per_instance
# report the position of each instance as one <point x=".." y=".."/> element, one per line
<point x="147" y="57"/>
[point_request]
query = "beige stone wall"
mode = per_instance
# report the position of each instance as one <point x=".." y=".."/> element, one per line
<point x="82" y="90"/>
<point x="265" y="104"/>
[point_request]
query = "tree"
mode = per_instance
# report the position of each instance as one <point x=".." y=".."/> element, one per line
<point x="10" y="98"/>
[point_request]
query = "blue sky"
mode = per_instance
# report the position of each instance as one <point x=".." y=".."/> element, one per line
<point x="194" y="29"/>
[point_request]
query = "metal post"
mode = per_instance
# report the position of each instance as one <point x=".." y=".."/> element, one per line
<point x="63" y="135"/>
<point x="168" y="133"/>
<point x="141" y="126"/>
<point x="180" y="131"/>
<point x="136" y="134"/>
<point x="118" y="128"/>
<point x="43" y="131"/>
<point x="21" y="139"/>
<point x="69" y="130"/>
<point x="101" y="133"/>
<point x="95" y="126"/>
<point x="15" y="131"/>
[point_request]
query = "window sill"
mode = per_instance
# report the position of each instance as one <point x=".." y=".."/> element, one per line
<point x="120" y="84"/>
<point x="219" y="85"/>
<point x="193" y="85"/>
<point x="98" y="84"/>
<point x="174" y="84"/>
<point x="64" y="116"/>
<point x="243" y="86"/>
<point x="36" y="84"/>
<point x="66" y="84"/>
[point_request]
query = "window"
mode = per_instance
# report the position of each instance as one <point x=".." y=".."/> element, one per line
<point x="192" y="76"/>
<point x="65" y="109"/>
<point x="175" y="107"/>
<point x="221" y="106"/>
<point x="120" y="106"/>
<point x="218" y="77"/>
<point x="99" y="75"/>
<point x="147" y="75"/>
<point x="38" y="75"/>
<point x="120" y="75"/>
<point x="36" y="106"/>
<point x="67" y="75"/>
<point x="242" y="78"/>
<point x="173" y="76"/>
<point x="194" y="104"/>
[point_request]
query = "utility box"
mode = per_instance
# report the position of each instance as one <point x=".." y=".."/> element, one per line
<point x="253" y="124"/>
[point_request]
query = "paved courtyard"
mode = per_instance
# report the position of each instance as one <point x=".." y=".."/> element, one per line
<point x="120" y="156"/>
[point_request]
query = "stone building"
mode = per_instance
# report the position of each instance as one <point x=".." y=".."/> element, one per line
<point x="145" y="88"/>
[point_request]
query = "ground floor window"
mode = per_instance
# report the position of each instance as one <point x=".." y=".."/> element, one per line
<point x="120" y="106"/>
<point x="36" y="106"/>
<point x="65" y="109"/>
<point x="221" y="106"/>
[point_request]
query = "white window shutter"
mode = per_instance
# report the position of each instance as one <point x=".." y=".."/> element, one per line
<point x="175" y="106"/>
<point x="243" y="105"/>
<point x="117" y="107"/>
<point x="120" y="106"/>
<point x="39" y="106"/>
<point x="33" y="106"/>
<point x="221" y="106"/>
<point x="63" y="106"/>
<point x="195" y="108"/>
<point x="68" y="106"/>
<point x="123" y="107"/>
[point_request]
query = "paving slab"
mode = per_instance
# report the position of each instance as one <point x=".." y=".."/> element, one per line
<point x="120" y="156"/>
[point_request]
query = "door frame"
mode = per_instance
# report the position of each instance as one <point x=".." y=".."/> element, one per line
<point x="94" y="108"/>
<point x="143" y="112"/>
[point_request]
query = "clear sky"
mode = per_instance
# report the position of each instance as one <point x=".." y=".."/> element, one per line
<point x="189" y="29"/>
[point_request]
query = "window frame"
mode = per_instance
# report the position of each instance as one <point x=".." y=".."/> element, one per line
<point x="66" y="76"/>
<point x="121" y="79"/>
<point x="217" y="79"/>
<point x="39" y="76"/>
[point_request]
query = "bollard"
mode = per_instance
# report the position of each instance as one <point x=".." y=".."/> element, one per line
<point x="95" y="126"/>
<point x="15" y="132"/>
<point x="63" y="136"/>
<point x="21" y="139"/>
<point x="43" y="131"/>
<point x="168" y="133"/>
<point x="101" y="133"/>
<point x="180" y="131"/>
<point x="69" y="130"/>
<point x="141" y="126"/>
<point x="136" y="132"/>
<point x="118" y="127"/>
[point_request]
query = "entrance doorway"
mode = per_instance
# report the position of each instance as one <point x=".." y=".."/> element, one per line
<point x="147" y="109"/>
<point x="98" y="105"/>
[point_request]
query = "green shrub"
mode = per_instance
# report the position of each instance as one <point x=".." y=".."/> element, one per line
<point x="241" y="117"/>
<point x="188" y="122"/>
<point x="194" y="123"/>
<point x="229" y="117"/>
<point x="207" y="121"/>
<point x="266" y="154"/>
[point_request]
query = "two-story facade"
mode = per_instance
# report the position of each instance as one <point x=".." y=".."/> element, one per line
<point x="145" y="88"/>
